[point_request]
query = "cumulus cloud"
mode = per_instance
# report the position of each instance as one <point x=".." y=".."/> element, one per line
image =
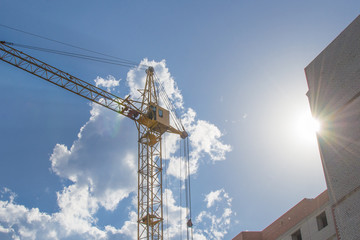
<point x="101" y="165"/>
<point x="100" y="158"/>
<point x="128" y="230"/>
<point x="109" y="83"/>
<point x="136" y="79"/>
<point x="205" y="141"/>
<point x="212" y="197"/>
<point x="174" y="225"/>
<point x="204" y="138"/>
<point x="103" y="170"/>
<point x="19" y="222"/>
<point x="214" y="222"/>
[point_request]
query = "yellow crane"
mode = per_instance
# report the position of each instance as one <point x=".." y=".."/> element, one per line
<point x="151" y="120"/>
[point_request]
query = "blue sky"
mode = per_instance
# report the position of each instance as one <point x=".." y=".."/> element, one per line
<point x="239" y="67"/>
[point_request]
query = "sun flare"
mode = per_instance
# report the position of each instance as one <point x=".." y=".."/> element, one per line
<point x="307" y="127"/>
<point x="311" y="125"/>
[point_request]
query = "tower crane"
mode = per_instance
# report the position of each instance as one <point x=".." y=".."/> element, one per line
<point x="151" y="121"/>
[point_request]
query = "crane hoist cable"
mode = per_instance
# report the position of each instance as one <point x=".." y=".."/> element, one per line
<point x="60" y="42"/>
<point x="180" y="187"/>
<point x="188" y="190"/>
<point x="184" y="163"/>
<point x="168" y="104"/>
<point x="78" y="55"/>
<point x="166" y="187"/>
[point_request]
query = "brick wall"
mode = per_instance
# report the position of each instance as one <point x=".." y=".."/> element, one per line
<point x="347" y="219"/>
<point x="302" y="216"/>
<point x="334" y="94"/>
<point x="294" y="216"/>
<point x="249" y="235"/>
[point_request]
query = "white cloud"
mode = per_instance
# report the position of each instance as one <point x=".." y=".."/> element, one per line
<point x="5" y="230"/>
<point x="136" y="79"/>
<point x="109" y="83"/>
<point x="129" y="229"/>
<point x="77" y="207"/>
<point x="100" y="158"/>
<point x="177" y="167"/>
<point x="216" y="220"/>
<point x="173" y="224"/>
<point x="212" y="197"/>
<point x="19" y="222"/>
<point x="212" y="223"/>
<point x="204" y="138"/>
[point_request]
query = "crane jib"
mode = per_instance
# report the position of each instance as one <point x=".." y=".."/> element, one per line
<point x="68" y="82"/>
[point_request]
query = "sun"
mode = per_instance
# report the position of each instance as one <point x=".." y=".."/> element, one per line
<point x="306" y="127"/>
<point x="313" y="125"/>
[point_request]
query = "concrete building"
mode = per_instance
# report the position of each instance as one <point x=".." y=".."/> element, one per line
<point x="334" y="88"/>
<point x="309" y="219"/>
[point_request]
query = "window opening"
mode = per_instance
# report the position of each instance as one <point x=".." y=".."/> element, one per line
<point x="152" y="112"/>
<point x="296" y="235"/>
<point x="321" y="221"/>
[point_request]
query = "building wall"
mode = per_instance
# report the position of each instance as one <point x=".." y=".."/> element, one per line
<point x="348" y="220"/>
<point x="299" y="213"/>
<point x="334" y="94"/>
<point x="309" y="229"/>
<point x="249" y="236"/>
<point x="303" y="217"/>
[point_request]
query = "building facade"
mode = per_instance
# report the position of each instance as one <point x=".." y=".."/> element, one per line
<point x="308" y="220"/>
<point x="334" y="88"/>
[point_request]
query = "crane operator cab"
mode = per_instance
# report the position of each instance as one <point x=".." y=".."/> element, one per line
<point x="158" y="114"/>
<point x="156" y="118"/>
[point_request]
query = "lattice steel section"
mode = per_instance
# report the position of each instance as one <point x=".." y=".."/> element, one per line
<point x="150" y="211"/>
<point x="68" y="82"/>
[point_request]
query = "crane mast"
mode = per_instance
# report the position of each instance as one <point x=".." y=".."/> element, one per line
<point x="151" y="120"/>
<point x="150" y="211"/>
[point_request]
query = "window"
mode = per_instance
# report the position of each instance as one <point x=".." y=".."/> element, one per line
<point x="161" y="114"/>
<point x="152" y="112"/>
<point x="296" y="235"/>
<point x="321" y="221"/>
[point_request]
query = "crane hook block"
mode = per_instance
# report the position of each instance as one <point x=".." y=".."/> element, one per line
<point x="184" y="135"/>
<point x="189" y="223"/>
